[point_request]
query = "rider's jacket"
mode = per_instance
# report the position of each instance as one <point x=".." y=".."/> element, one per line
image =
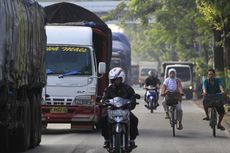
<point x="152" y="81"/>
<point x="123" y="91"/>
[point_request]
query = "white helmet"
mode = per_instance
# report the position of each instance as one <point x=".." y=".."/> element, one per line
<point x="151" y="73"/>
<point x="117" y="72"/>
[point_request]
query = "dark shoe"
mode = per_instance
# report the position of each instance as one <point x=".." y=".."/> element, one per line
<point x="180" y="126"/>
<point x="106" y="144"/>
<point x="167" y="116"/>
<point x="220" y="127"/>
<point x="206" y="118"/>
<point x="132" y="144"/>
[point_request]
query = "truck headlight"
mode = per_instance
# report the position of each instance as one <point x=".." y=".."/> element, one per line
<point x="84" y="100"/>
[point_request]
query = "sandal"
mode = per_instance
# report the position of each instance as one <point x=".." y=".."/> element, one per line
<point x="180" y="126"/>
<point x="206" y="118"/>
<point x="221" y="127"/>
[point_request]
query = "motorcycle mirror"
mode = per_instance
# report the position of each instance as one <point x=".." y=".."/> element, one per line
<point x="137" y="96"/>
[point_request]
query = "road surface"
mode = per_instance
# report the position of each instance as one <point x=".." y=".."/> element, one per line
<point x="155" y="135"/>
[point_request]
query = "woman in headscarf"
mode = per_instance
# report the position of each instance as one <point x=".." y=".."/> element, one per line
<point x="173" y="84"/>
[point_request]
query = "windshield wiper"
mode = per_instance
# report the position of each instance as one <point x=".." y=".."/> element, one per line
<point x="73" y="72"/>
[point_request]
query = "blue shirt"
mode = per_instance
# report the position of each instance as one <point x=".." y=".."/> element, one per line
<point x="212" y="87"/>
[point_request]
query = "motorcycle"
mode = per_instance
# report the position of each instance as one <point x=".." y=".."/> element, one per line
<point x="119" y="124"/>
<point x="151" y="98"/>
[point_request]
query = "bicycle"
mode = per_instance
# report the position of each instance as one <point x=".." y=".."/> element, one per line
<point x="172" y="117"/>
<point x="172" y="99"/>
<point x="212" y="101"/>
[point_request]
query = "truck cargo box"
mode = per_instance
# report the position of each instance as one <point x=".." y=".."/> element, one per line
<point x="21" y="52"/>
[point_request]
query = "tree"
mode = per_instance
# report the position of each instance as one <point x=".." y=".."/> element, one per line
<point x="218" y="15"/>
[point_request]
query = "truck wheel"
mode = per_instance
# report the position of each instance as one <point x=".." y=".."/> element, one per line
<point x="34" y="121"/>
<point x="39" y="120"/>
<point x="23" y="132"/>
<point x="4" y="139"/>
<point x="44" y="125"/>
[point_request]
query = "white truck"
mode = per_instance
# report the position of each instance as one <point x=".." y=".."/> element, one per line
<point x="72" y="77"/>
<point x="144" y="68"/>
<point x="184" y="73"/>
<point x="79" y="49"/>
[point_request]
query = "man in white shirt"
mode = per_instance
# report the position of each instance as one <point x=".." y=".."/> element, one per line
<point x="173" y="84"/>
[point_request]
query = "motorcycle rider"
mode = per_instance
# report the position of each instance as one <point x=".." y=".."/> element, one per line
<point x="118" y="88"/>
<point x="213" y="85"/>
<point x="153" y="81"/>
<point x="172" y="84"/>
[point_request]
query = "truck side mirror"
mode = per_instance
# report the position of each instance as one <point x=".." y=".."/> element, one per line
<point x="101" y="68"/>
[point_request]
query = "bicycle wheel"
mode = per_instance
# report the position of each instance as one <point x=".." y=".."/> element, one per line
<point x="173" y="120"/>
<point x="213" y="121"/>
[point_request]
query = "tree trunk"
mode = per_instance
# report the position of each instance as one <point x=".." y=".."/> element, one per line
<point x="206" y="56"/>
<point x="218" y="54"/>
<point x="227" y="56"/>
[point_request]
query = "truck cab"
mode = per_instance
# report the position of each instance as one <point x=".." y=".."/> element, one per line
<point x="72" y="77"/>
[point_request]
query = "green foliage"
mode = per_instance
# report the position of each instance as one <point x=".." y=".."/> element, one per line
<point x="216" y="12"/>
<point x="170" y="30"/>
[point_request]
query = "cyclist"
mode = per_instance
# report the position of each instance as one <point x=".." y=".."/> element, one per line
<point x="213" y="85"/>
<point x="173" y="84"/>
<point x="152" y="80"/>
<point x="119" y="89"/>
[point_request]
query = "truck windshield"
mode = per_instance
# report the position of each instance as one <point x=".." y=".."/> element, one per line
<point x="68" y="59"/>
<point x="183" y="73"/>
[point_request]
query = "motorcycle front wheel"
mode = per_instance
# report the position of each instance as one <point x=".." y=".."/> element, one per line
<point x="151" y="106"/>
<point x="118" y="143"/>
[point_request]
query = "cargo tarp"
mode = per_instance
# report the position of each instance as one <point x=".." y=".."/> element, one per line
<point x="22" y="43"/>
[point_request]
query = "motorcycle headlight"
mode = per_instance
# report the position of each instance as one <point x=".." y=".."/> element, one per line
<point x="190" y="87"/>
<point x="84" y="100"/>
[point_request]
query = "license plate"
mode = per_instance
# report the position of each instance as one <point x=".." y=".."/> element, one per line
<point x="59" y="110"/>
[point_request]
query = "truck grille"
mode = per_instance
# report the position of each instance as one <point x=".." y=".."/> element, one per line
<point x="58" y="101"/>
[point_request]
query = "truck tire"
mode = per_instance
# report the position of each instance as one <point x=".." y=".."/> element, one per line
<point x="39" y="120"/>
<point x="23" y="132"/>
<point x="34" y="121"/>
<point x="4" y="139"/>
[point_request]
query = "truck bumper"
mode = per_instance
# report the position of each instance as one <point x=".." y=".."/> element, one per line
<point x="70" y="114"/>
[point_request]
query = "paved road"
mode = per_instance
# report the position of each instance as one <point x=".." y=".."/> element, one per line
<point x="155" y="135"/>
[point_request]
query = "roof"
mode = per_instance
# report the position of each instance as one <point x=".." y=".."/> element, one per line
<point x="68" y="12"/>
<point x="94" y="6"/>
